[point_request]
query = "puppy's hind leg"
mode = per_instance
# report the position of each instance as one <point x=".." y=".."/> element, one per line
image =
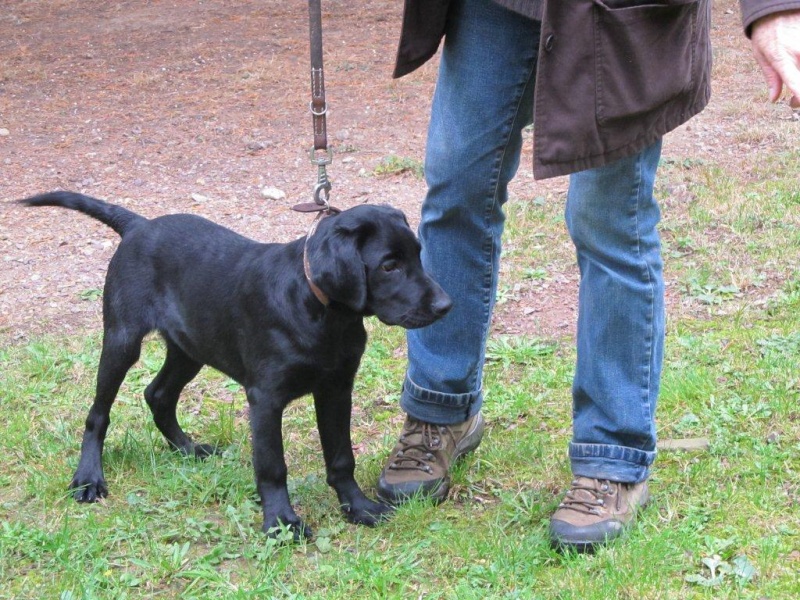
<point x="120" y="351"/>
<point x="162" y="397"/>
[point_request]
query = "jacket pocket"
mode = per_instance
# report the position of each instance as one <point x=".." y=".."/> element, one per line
<point x="644" y="55"/>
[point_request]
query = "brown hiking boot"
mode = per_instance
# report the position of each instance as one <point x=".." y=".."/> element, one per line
<point x="595" y="511"/>
<point x="420" y="463"/>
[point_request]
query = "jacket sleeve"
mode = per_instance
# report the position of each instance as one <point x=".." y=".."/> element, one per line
<point x="752" y="10"/>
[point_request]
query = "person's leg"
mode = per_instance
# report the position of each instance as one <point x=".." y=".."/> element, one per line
<point x="483" y="100"/>
<point x="612" y="217"/>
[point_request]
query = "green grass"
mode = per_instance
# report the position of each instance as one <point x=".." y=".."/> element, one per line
<point x="725" y="522"/>
<point x="395" y="165"/>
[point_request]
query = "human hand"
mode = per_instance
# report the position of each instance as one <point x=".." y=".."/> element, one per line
<point x="776" y="45"/>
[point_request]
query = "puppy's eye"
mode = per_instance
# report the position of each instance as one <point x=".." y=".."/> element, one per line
<point x="389" y="266"/>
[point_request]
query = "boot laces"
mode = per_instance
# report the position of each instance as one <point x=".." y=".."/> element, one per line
<point x="418" y="455"/>
<point x="587" y="498"/>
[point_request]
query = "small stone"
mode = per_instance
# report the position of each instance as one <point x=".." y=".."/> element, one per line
<point x="199" y="198"/>
<point x="686" y="444"/>
<point x="273" y="193"/>
<point x="4" y="132"/>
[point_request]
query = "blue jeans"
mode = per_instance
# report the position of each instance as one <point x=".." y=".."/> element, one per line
<point x="483" y="100"/>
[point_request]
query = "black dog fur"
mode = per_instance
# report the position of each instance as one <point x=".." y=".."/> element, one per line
<point x="246" y="309"/>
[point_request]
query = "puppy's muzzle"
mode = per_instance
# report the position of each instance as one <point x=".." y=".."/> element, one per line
<point x="430" y="311"/>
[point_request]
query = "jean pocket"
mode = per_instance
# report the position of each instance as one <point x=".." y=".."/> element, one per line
<point x="644" y="55"/>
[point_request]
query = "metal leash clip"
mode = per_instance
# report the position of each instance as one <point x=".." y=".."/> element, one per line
<point x="322" y="190"/>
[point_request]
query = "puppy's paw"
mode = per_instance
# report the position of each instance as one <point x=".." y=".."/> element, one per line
<point x="203" y="451"/>
<point x="287" y="530"/>
<point x="199" y="451"/>
<point x="368" y="513"/>
<point x="90" y="489"/>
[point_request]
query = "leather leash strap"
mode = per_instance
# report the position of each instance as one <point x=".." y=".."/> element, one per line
<point x="321" y="155"/>
<point x="318" y="106"/>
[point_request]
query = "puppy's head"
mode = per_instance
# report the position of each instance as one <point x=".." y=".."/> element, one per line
<point x="368" y="259"/>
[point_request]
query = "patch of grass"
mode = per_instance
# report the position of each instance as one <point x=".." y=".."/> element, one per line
<point x="724" y="523"/>
<point x="396" y="165"/>
<point x="91" y="294"/>
<point x="735" y="234"/>
<point x="509" y="350"/>
<point x="536" y="246"/>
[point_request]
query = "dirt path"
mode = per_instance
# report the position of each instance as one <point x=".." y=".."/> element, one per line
<point x="194" y="107"/>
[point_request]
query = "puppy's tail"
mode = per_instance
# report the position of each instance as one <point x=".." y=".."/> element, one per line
<point x="118" y="218"/>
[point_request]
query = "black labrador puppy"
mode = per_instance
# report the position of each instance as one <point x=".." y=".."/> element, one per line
<point x="283" y="320"/>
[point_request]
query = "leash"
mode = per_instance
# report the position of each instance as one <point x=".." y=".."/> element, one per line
<point x="321" y="155"/>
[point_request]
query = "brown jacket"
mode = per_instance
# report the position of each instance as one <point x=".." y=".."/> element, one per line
<point x="611" y="80"/>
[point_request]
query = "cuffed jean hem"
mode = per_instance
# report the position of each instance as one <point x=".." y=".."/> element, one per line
<point x="438" y="407"/>
<point x="615" y="463"/>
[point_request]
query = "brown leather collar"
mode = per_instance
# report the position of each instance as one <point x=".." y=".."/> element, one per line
<point x="321" y="296"/>
<point x="318" y="293"/>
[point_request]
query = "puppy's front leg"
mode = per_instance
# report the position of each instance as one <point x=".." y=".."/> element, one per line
<point x="266" y="416"/>
<point x="333" y="404"/>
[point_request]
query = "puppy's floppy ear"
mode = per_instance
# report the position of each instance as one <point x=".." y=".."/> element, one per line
<point x="335" y="261"/>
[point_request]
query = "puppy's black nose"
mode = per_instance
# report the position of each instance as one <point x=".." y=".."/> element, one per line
<point x="441" y="305"/>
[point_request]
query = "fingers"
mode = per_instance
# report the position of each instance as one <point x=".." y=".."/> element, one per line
<point x="789" y="72"/>
<point x="776" y="45"/>
<point x="773" y="80"/>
